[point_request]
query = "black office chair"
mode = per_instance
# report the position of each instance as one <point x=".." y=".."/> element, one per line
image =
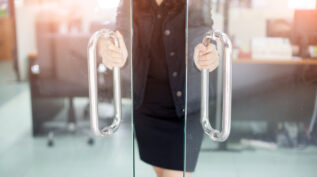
<point x="57" y="72"/>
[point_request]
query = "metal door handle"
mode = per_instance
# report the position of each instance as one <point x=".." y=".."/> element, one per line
<point x="214" y="134"/>
<point x="93" y="87"/>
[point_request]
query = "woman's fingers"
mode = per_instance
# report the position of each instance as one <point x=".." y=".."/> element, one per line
<point x="114" y="48"/>
<point x="205" y="62"/>
<point x="197" y="50"/>
<point x="108" y="54"/>
<point x="120" y="38"/>
<point x="210" y="66"/>
<point x="108" y="64"/>
<point x="117" y="60"/>
<point x="112" y="63"/>
<point x="122" y="45"/>
<point x="209" y="49"/>
<point x="112" y="55"/>
<point x="206" y="57"/>
<point x="116" y="55"/>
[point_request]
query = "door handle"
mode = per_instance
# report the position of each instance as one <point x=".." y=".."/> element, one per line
<point x="93" y="87"/>
<point x="215" y="134"/>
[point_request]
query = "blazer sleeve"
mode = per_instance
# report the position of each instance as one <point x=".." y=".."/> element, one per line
<point x="123" y="25"/>
<point x="199" y="23"/>
<point x="123" y="20"/>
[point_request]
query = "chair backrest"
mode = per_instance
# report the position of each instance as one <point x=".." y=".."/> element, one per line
<point x="45" y="44"/>
<point x="71" y="59"/>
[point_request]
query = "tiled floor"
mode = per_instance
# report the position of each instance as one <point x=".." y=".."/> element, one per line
<point x="21" y="155"/>
<point x="8" y="86"/>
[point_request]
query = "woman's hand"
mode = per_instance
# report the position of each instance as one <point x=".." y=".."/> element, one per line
<point x="206" y="57"/>
<point x="111" y="55"/>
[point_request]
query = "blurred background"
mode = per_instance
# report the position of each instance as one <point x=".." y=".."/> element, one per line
<point x="44" y="108"/>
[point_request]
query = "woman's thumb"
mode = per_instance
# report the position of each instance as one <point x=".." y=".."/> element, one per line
<point x="120" y="38"/>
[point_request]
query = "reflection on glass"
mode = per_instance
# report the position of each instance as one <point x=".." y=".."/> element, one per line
<point x="47" y="118"/>
<point x="159" y="43"/>
<point x="44" y="106"/>
<point x="273" y="91"/>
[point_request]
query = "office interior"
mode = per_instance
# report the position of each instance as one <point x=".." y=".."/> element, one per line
<point x="44" y="101"/>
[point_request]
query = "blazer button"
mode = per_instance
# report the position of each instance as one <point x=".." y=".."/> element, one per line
<point x="179" y="93"/>
<point x="159" y="16"/>
<point x="167" y="32"/>
<point x="172" y="54"/>
<point x="174" y="74"/>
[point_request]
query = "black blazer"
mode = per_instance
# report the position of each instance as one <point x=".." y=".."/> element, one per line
<point x="175" y="49"/>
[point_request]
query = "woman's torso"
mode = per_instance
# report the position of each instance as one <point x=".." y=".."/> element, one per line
<point x="159" y="63"/>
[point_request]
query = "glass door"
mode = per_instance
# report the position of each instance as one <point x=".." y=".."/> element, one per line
<point x="267" y="65"/>
<point x="48" y="123"/>
<point x="204" y="46"/>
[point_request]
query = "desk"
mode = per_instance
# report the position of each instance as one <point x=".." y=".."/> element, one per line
<point x="308" y="61"/>
<point x="303" y="93"/>
<point x="272" y="90"/>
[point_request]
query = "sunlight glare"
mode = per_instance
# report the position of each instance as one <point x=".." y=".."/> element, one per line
<point x="108" y="4"/>
<point x="302" y="4"/>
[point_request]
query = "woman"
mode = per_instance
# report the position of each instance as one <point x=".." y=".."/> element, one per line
<point x="159" y="79"/>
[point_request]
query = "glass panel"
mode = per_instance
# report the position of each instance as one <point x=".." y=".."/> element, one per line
<point x="273" y="89"/>
<point x="159" y="80"/>
<point x="45" y="112"/>
<point x="198" y="24"/>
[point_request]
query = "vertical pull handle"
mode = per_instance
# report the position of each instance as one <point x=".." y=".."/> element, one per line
<point x="93" y="87"/>
<point x="214" y="134"/>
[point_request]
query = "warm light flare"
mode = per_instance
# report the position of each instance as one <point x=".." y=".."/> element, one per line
<point x="302" y="4"/>
<point x="108" y="4"/>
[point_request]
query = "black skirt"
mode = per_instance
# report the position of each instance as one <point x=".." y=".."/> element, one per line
<point x="161" y="139"/>
<point x="159" y="130"/>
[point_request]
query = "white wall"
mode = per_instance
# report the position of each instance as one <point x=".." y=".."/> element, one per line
<point x="25" y="35"/>
<point x="25" y="23"/>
